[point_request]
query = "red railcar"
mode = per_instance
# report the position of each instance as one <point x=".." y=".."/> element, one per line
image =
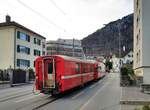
<point x="57" y="74"/>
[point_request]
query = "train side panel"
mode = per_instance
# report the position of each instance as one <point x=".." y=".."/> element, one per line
<point x="72" y="75"/>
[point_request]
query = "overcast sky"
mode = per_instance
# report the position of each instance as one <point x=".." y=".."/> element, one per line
<point x="65" y="18"/>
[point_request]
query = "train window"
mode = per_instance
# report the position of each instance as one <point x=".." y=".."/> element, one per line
<point x="84" y="68"/>
<point x="77" y="67"/>
<point x="91" y="69"/>
<point x="50" y="68"/>
<point x="99" y="68"/>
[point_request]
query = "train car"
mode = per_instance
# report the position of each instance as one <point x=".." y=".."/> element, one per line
<point x="100" y="71"/>
<point x="57" y="74"/>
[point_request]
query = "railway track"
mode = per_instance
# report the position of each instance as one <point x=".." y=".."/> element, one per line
<point x="37" y="104"/>
<point x="42" y="105"/>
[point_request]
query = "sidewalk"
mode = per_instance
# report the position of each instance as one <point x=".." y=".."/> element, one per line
<point x="6" y="84"/>
<point x="132" y="98"/>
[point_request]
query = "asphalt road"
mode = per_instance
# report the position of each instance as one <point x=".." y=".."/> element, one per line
<point x="101" y="95"/>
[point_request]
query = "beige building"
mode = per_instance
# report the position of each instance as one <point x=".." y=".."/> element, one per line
<point x="68" y="47"/>
<point x="142" y="39"/>
<point x="19" y="46"/>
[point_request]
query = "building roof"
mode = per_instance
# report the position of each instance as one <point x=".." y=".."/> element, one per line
<point x="13" y="23"/>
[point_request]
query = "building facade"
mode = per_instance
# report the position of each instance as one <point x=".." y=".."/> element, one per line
<point x="19" y="45"/>
<point x="128" y="58"/>
<point x="142" y="39"/>
<point x="69" y="47"/>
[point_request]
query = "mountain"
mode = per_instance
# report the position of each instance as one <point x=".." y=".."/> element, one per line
<point x="105" y="41"/>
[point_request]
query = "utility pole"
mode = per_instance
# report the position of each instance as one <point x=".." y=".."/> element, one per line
<point x="73" y="48"/>
<point x="119" y="35"/>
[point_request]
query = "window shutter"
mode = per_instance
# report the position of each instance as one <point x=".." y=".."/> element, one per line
<point x="28" y="38"/>
<point x="28" y="50"/>
<point x="18" y="62"/>
<point x="18" y="48"/>
<point x="34" y="40"/>
<point x="34" y="52"/>
<point x="18" y="34"/>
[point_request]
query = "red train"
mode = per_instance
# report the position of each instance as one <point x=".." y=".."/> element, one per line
<point x="57" y="74"/>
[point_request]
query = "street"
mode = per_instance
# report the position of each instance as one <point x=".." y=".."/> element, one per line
<point x="101" y="95"/>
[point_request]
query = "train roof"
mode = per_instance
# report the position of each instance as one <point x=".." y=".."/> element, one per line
<point x="72" y="58"/>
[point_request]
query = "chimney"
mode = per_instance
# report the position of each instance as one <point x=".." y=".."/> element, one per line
<point x="8" y="19"/>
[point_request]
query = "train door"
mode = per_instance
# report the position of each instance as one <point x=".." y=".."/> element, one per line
<point x="49" y="70"/>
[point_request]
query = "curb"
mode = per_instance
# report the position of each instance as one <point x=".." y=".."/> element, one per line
<point x="134" y="102"/>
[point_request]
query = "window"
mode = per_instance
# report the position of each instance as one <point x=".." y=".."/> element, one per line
<point x="137" y="39"/>
<point x="50" y="68"/>
<point x="43" y="45"/>
<point x="137" y="3"/>
<point x="91" y="69"/>
<point x="84" y="68"/>
<point x="23" y="49"/>
<point x="23" y="36"/>
<point x="43" y="53"/>
<point x="37" y="41"/>
<point x="137" y="20"/>
<point x="37" y="52"/>
<point x="137" y="56"/>
<point x="23" y="63"/>
<point x="34" y="40"/>
<point x="77" y="68"/>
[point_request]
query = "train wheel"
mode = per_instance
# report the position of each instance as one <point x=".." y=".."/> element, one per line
<point x="54" y="93"/>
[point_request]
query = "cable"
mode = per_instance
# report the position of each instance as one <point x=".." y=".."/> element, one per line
<point x="39" y="14"/>
<point x="57" y="7"/>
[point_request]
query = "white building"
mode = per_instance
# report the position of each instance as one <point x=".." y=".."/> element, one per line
<point x="128" y="58"/>
<point x="69" y="47"/>
<point x="19" y="46"/>
<point x="116" y="63"/>
<point x="142" y="39"/>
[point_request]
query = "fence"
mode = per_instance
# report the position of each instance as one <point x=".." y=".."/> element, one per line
<point x="4" y="76"/>
<point x="16" y="76"/>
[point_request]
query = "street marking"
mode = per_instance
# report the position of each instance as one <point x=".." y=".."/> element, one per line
<point x="27" y="98"/>
<point x="77" y="95"/>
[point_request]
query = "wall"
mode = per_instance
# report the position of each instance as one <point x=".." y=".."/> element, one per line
<point x="6" y="47"/>
<point x="146" y="33"/>
<point x="30" y="45"/>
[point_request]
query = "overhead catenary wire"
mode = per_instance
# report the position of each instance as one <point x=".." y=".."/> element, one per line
<point x="39" y="14"/>
<point x="54" y="3"/>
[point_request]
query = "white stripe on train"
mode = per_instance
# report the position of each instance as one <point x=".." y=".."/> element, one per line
<point x="76" y="75"/>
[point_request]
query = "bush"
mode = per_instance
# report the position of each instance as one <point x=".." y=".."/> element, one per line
<point x="145" y="107"/>
<point x="124" y="71"/>
<point x="127" y="70"/>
